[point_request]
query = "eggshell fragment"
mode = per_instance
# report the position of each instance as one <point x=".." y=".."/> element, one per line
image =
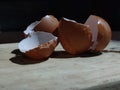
<point x="38" y="45"/>
<point x="48" y="24"/>
<point x="92" y="22"/>
<point x="74" y="37"/>
<point x="101" y="32"/>
<point x="30" y="28"/>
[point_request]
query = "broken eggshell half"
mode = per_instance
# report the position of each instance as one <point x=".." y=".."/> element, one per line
<point x="47" y="23"/>
<point x="74" y="37"/>
<point x="38" y="45"/>
<point x="77" y="38"/>
<point x="101" y="32"/>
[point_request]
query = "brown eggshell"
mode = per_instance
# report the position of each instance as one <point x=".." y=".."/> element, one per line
<point x="74" y="37"/>
<point x="104" y="34"/>
<point x="38" y="45"/>
<point x="48" y="24"/>
<point x="42" y="51"/>
<point x="101" y="32"/>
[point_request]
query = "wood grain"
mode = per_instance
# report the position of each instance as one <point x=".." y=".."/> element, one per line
<point x="61" y="71"/>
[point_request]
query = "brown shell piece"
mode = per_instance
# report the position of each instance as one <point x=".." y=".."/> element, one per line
<point x="48" y="24"/>
<point x="104" y="34"/>
<point x="38" y="45"/>
<point x="42" y="51"/>
<point x="74" y="37"/>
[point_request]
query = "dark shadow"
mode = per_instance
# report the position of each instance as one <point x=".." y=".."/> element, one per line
<point x="112" y="50"/>
<point x="21" y="59"/>
<point x="90" y="54"/>
<point x="64" y="54"/>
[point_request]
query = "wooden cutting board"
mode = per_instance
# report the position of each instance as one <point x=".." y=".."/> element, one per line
<point x="61" y="71"/>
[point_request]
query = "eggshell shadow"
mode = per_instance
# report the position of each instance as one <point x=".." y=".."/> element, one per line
<point x="21" y="59"/>
<point x="64" y="54"/>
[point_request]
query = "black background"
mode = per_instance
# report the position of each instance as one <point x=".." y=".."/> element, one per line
<point x="15" y="15"/>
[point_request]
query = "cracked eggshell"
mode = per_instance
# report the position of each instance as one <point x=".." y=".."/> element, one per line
<point x="30" y="28"/>
<point x="101" y="32"/>
<point x="47" y="24"/>
<point x="38" y="45"/>
<point x="74" y="37"/>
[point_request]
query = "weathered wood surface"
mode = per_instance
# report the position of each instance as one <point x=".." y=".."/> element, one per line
<point x="61" y="71"/>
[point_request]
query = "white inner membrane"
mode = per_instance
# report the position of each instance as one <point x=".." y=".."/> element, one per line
<point x="93" y="24"/>
<point x="31" y="27"/>
<point x="69" y="20"/>
<point x="34" y="40"/>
